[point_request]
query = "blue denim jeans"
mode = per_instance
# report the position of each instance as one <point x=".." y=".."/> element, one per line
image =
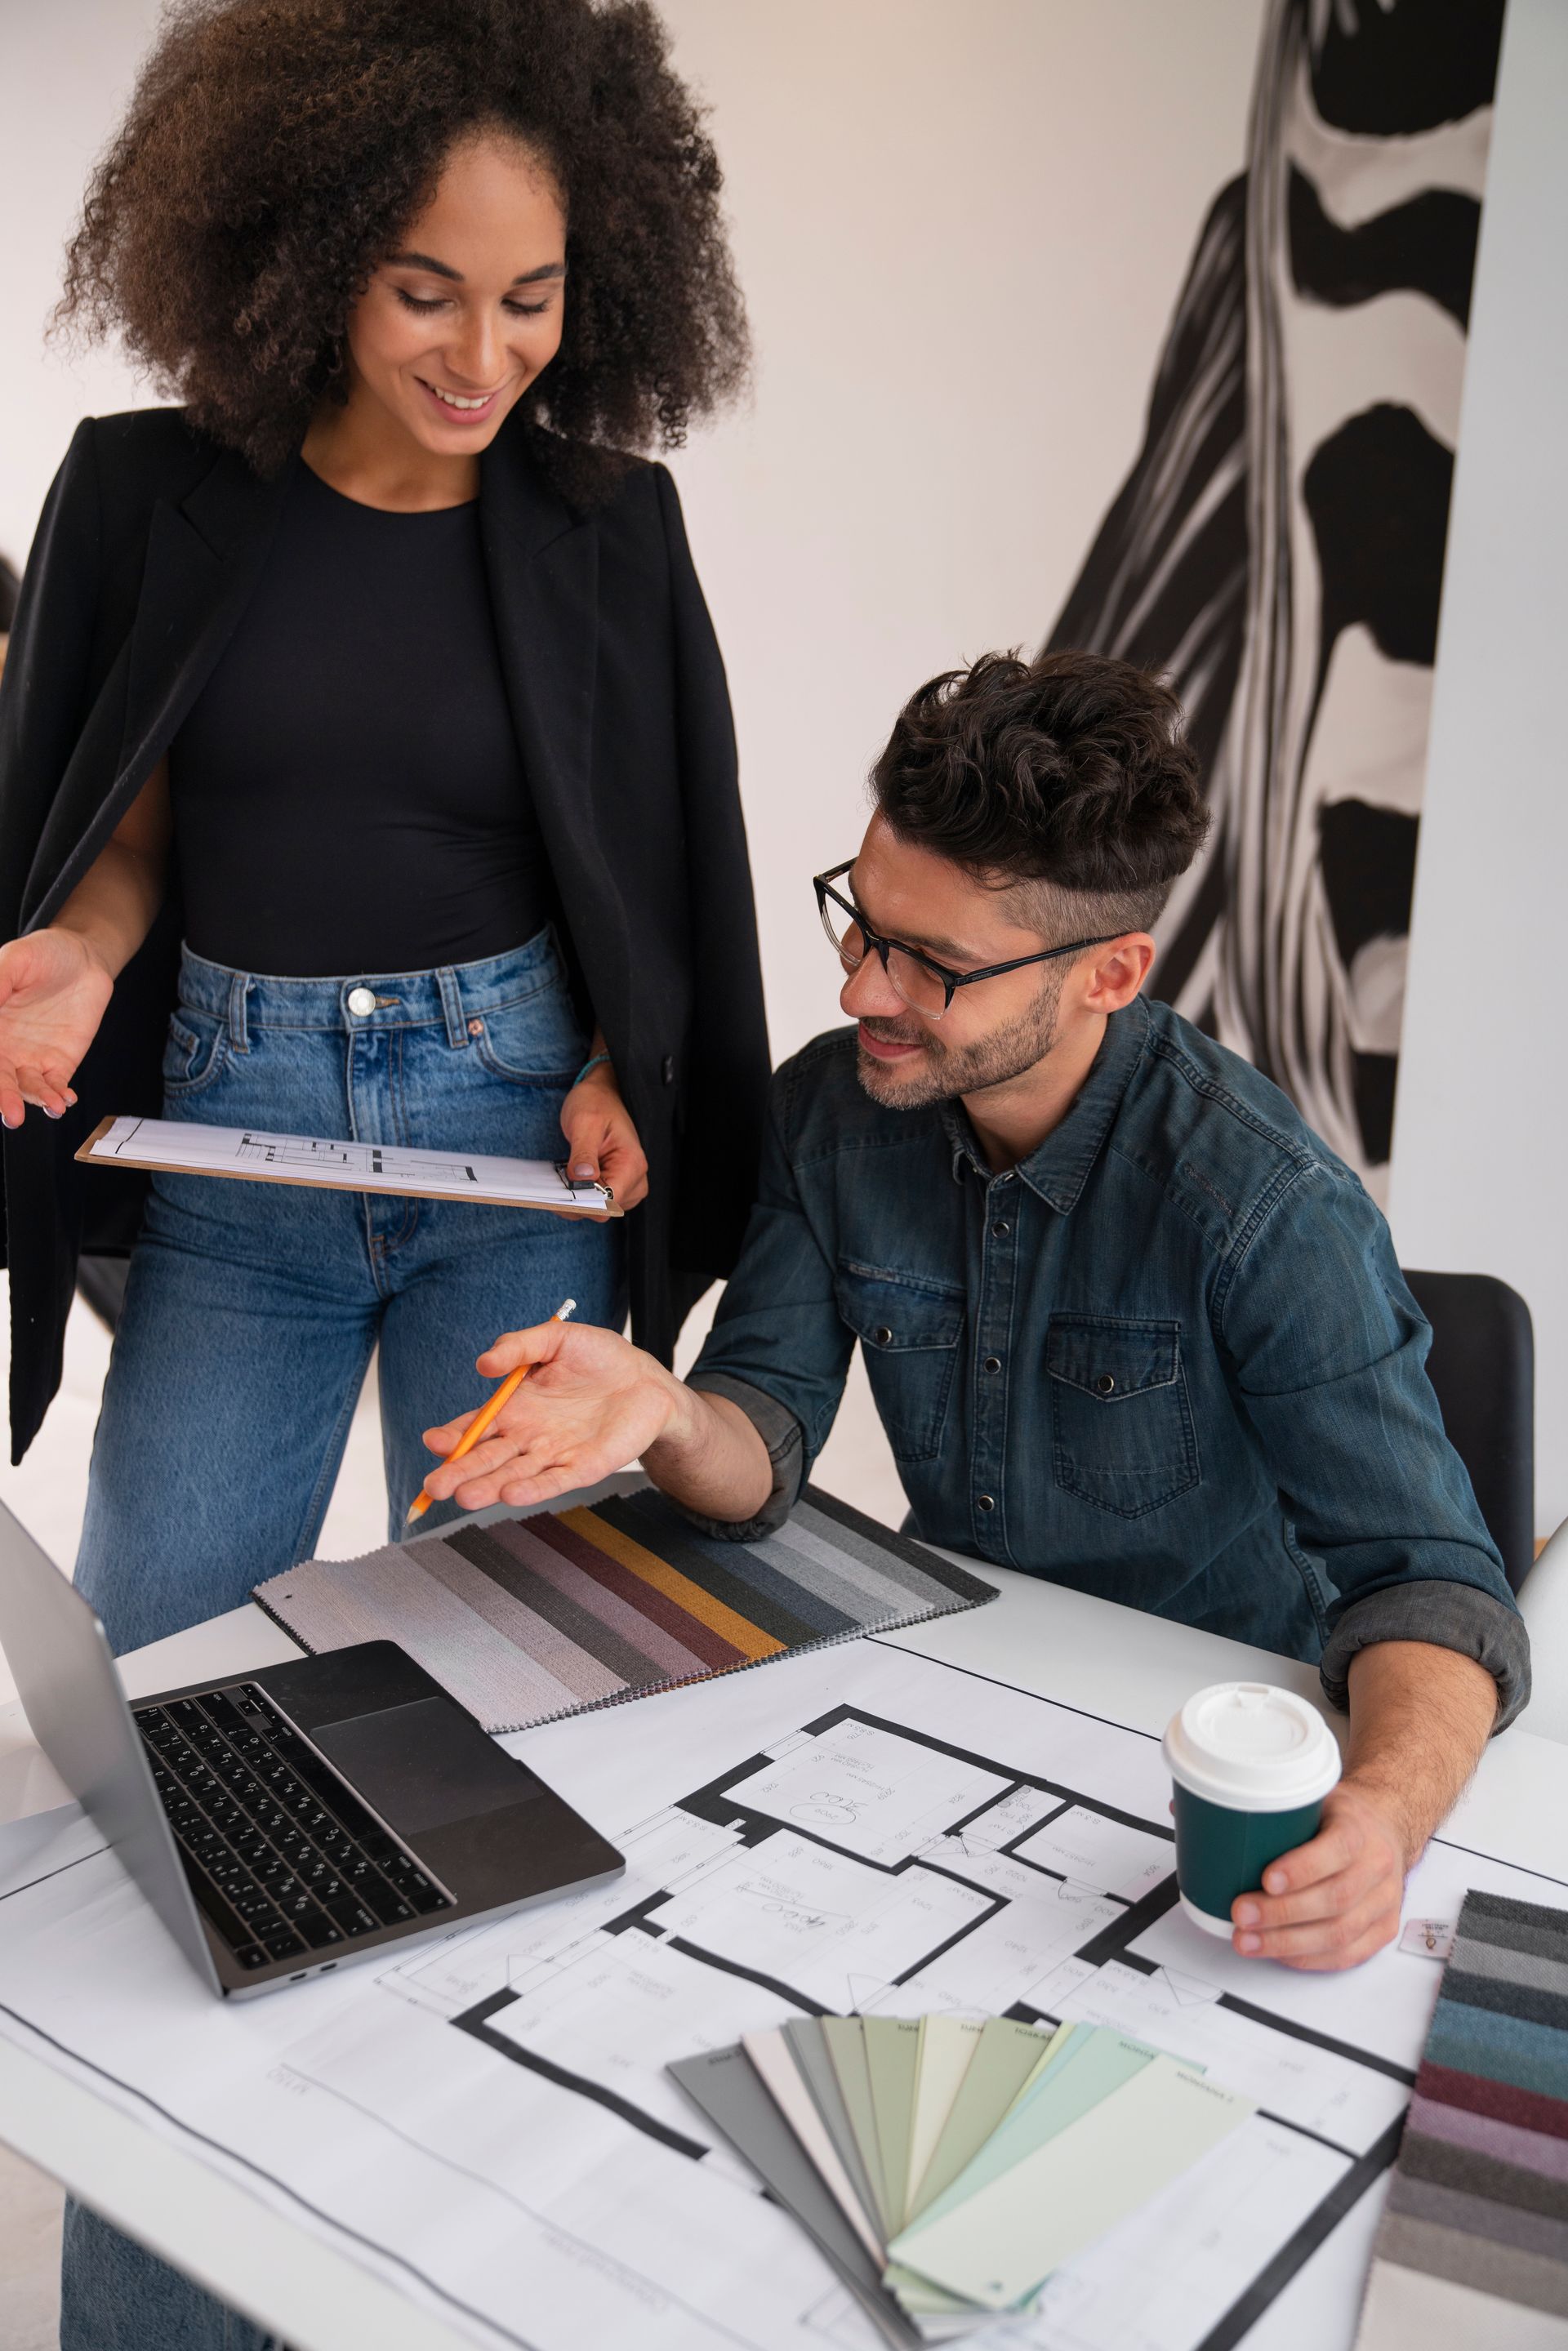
<point x="250" y="1314"/>
<point x="252" y="1309"/>
<point x="116" y="2297"/>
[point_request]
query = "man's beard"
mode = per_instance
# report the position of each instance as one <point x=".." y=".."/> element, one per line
<point x="945" y="1072"/>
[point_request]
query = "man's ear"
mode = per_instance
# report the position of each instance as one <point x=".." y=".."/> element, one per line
<point x="1115" y="972"/>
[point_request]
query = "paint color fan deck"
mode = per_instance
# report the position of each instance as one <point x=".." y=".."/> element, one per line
<point x="1473" y="2245"/>
<point x="528" y="1619"/>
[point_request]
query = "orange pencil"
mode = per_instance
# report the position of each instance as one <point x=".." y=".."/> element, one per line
<point x="485" y="1414"/>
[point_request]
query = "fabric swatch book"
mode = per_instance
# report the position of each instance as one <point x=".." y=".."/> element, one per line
<point x="1473" y="2243"/>
<point x="949" y="2167"/>
<point x="528" y="1619"/>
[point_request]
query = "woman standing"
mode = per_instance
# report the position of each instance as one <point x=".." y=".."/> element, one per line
<point x="379" y="676"/>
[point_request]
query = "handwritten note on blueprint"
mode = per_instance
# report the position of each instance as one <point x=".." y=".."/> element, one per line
<point x="487" y="2119"/>
<point x="252" y="1156"/>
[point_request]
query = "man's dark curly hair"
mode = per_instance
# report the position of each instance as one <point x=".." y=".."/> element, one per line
<point x="274" y="148"/>
<point x="1071" y="772"/>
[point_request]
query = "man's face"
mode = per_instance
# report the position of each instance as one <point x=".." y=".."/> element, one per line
<point x="993" y="1031"/>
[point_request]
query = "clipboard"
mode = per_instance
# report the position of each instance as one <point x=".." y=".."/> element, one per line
<point x="322" y="1163"/>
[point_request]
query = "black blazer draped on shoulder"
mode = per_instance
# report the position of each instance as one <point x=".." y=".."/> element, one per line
<point x="150" y="547"/>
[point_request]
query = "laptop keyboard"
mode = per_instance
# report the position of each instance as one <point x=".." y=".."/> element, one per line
<point x="282" y="1856"/>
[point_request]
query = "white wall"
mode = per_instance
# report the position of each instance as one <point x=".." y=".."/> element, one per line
<point x="65" y="71"/>
<point x="960" y="254"/>
<point x="1479" y="1174"/>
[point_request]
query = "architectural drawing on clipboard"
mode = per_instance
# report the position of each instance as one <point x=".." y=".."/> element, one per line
<point x="329" y="1163"/>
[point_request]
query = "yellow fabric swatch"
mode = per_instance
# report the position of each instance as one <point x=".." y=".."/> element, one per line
<point x="647" y="1564"/>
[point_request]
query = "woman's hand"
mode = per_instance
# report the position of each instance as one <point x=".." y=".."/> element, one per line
<point x="55" y="984"/>
<point x="601" y="1141"/>
<point x="53" y="990"/>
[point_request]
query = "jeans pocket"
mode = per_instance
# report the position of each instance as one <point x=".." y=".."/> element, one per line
<point x="909" y="1330"/>
<point x="536" y="1038"/>
<point x="195" y="1053"/>
<point x="1121" y="1425"/>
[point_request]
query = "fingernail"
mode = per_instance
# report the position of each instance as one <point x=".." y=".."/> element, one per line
<point x="51" y="1113"/>
<point x="1248" y="1915"/>
<point x="13" y="1124"/>
<point x="1250" y="1943"/>
<point x="1274" y="1882"/>
<point x="583" y="1167"/>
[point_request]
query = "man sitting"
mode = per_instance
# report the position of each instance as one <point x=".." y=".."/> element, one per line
<point x="1129" y="1325"/>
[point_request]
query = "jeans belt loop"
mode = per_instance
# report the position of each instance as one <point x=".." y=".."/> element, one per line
<point x="239" y="1034"/>
<point x="451" y="1006"/>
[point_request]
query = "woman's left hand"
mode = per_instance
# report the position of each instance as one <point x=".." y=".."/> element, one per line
<point x="601" y="1140"/>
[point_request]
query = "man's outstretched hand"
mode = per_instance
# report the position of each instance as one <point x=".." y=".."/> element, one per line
<point x="591" y="1404"/>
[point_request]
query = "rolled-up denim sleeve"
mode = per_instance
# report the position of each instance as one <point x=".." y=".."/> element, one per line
<point x="1328" y="1355"/>
<point x="778" y="1347"/>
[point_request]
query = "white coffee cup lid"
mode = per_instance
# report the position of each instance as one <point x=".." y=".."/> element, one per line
<point x="1252" y="1747"/>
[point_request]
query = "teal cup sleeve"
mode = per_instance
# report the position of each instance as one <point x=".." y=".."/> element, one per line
<point x="1221" y="1853"/>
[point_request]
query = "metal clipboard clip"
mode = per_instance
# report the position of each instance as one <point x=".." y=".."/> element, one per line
<point x="603" y="1196"/>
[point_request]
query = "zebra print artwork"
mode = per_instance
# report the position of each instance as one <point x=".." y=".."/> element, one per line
<point x="1277" y="545"/>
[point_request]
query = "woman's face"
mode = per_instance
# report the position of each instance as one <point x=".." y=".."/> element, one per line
<point x="455" y="324"/>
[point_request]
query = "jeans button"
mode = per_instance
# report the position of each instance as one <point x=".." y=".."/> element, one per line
<point x="360" y="1001"/>
<point x="985" y="1501"/>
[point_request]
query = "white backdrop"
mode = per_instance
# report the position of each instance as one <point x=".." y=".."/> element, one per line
<point x="1480" y="1130"/>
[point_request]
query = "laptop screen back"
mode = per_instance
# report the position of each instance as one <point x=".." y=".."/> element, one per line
<point x="76" y="1711"/>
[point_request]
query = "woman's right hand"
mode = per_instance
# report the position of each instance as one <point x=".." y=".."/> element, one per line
<point x="53" y="991"/>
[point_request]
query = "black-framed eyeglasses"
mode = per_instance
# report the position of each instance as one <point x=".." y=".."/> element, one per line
<point x="926" y="987"/>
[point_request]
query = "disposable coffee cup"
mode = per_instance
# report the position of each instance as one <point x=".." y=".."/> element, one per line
<point x="1253" y="1766"/>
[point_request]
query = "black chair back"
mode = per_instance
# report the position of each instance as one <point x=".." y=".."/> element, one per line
<point x="1482" y="1365"/>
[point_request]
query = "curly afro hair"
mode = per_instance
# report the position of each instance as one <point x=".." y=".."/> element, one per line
<point x="274" y="148"/>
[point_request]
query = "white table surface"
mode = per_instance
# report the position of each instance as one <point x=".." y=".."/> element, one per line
<point x="1115" y="1661"/>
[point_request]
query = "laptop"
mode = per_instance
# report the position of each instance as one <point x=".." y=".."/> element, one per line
<point x="284" y="1822"/>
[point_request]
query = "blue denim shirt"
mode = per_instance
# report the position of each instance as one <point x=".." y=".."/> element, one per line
<point x="1169" y="1358"/>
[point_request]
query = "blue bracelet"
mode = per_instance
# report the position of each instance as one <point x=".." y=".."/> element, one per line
<point x="587" y="1066"/>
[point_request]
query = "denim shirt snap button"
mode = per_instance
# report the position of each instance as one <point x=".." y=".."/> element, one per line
<point x="882" y="1334"/>
<point x="985" y="1501"/>
<point x="1104" y="1384"/>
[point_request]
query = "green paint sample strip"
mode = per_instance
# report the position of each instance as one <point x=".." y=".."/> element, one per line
<point x="997" y="2247"/>
<point x="966" y="2159"/>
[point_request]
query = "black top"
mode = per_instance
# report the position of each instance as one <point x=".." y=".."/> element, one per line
<point x="347" y="789"/>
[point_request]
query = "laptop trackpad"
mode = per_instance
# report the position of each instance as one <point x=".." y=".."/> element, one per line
<point x="424" y="1765"/>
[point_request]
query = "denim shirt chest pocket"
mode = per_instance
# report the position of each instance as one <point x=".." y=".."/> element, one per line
<point x="909" y="1328"/>
<point x="1121" y="1424"/>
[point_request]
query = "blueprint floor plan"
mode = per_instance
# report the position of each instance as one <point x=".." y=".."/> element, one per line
<point x="864" y="1829"/>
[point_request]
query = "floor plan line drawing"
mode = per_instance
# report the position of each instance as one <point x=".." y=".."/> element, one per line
<point x="269" y="2179"/>
<point x="797" y="1844"/>
<point x="831" y="1815"/>
<point x="354" y="1158"/>
<point x="345" y="1164"/>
